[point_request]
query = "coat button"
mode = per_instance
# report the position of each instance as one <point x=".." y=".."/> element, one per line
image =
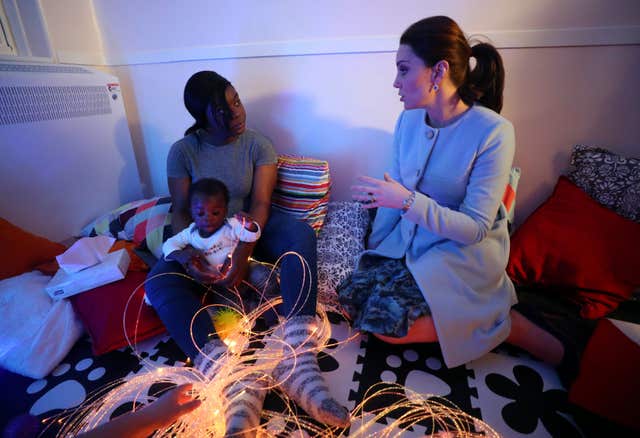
<point x="429" y="135"/>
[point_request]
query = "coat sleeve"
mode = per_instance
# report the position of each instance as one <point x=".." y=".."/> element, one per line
<point x="387" y="218"/>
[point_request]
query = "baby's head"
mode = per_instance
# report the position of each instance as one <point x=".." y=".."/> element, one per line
<point x="208" y="202"/>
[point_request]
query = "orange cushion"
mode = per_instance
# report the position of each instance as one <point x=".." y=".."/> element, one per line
<point x="137" y="264"/>
<point x="22" y="251"/>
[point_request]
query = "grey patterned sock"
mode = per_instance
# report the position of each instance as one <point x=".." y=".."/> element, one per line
<point x="208" y="362"/>
<point x="304" y="381"/>
<point x="246" y="396"/>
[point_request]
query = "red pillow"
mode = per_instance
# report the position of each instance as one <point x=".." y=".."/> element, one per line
<point x="101" y="311"/>
<point x="608" y="382"/>
<point x="574" y="242"/>
<point x="23" y="251"/>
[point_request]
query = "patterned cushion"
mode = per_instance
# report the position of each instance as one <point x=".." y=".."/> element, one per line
<point x="112" y="223"/>
<point x="609" y="178"/>
<point x="147" y="222"/>
<point x="150" y="226"/>
<point x="340" y="242"/>
<point x="302" y="189"/>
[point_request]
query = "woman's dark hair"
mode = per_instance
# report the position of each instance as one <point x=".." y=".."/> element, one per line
<point x="440" y="38"/>
<point x="209" y="187"/>
<point x="205" y="88"/>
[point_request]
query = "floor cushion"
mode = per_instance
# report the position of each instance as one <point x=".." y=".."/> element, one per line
<point x="102" y="311"/>
<point x="608" y="383"/>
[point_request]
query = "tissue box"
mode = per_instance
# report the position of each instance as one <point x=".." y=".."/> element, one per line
<point x="112" y="268"/>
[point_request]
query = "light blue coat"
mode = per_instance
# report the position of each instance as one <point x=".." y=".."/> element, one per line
<point x="454" y="236"/>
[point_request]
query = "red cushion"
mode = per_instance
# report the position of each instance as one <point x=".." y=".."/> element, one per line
<point x="101" y="311"/>
<point x="608" y="382"/>
<point x="574" y="242"/>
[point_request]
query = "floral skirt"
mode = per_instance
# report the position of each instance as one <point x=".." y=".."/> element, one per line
<point x="382" y="297"/>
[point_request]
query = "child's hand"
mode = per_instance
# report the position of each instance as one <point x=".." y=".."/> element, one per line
<point x="225" y="266"/>
<point x="143" y="422"/>
<point x="200" y="269"/>
<point x="247" y="221"/>
<point x="171" y="405"/>
<point x="196" y="265"/>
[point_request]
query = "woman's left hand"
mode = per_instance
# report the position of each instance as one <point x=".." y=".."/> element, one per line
<point x="374" y="192"/>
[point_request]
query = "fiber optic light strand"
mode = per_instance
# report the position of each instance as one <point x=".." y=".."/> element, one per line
<point x="240" y="361"/>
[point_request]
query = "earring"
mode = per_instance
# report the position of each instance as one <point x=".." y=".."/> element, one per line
<point x="435" y="87"/>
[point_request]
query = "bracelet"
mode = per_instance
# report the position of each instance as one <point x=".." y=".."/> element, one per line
<point x="407" y="203"/>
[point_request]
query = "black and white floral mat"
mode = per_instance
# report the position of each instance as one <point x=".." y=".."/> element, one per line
<point x="513" y="393"/>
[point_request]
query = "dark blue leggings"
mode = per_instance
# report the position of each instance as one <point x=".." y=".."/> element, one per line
<point x="176" y="298"/>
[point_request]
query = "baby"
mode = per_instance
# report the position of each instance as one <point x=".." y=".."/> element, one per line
<point x="215" y="235"/>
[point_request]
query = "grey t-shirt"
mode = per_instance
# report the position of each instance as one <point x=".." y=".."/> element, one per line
<point x="233" y="163"/>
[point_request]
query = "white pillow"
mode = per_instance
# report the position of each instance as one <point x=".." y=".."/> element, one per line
<point x="37" y="333"/>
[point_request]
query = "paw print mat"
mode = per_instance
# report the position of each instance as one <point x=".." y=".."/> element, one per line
<point x="513" y="393"/>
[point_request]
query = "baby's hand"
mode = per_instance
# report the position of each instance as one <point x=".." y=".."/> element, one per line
<point x="225" y="266"/>
<point x="172" y="405"/>
<point x="209" y="270"/>
<point x="201" y="270"/>
<point x="247" y="221"/>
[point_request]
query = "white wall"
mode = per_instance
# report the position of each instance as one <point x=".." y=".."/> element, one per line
<point x="316" y="76"/>
<point x="135" y="27"/>
<point x="73" y="31"/>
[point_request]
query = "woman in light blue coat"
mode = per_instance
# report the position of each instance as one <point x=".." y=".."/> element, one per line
<point x="435" y="267"/>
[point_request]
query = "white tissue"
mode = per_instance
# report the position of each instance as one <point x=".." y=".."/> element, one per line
<point x="86" y="252"/>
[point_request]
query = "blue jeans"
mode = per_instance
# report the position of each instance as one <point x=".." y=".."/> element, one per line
<point x="177" y="299"/>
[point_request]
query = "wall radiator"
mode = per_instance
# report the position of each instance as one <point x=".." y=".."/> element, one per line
<point x="66" y="151"/>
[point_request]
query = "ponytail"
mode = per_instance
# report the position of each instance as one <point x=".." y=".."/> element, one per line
<point x="485" y="83"/>
<point x="205" y="90"/>
<point x="193" y="128"/>
<point x="440" y="38"/>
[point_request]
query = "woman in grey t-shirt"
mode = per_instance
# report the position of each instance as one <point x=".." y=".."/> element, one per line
<point x="218" y="145"/>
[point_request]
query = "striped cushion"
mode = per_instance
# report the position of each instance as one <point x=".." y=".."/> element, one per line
<point x="303" y="189"/>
